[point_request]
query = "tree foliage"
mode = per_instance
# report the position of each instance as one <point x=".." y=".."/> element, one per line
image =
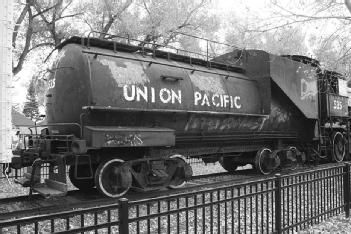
<point x="40" y="24"/>
<point x="289" y="40"/>
<point x="322" y="30"/>
<point x="149" y="20"/>
<point x="31" y="107"/>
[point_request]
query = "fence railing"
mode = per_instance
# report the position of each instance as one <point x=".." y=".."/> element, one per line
<point x="281" y="204"/>
<point x="18" y="173"/>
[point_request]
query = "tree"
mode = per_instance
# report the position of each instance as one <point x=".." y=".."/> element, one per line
<point x="31" y="107"/>
<point x="325" y="24"/>
<point x="101" y="15"/>
<point x="149" y="20"/>
<point x="286" y="40"/>
<point x="40" y="24"/>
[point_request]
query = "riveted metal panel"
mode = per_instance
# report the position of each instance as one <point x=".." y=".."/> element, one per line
<point x="245" y="95"/>
<point x="256" y="65"/>
<point x="224" y="92"/>
<point x="298" y="81"/>
<point x="209" y="90"/>
<point x="113" y="80"/>
<point x="69" y="89"/>
<point x="171" y="87"/>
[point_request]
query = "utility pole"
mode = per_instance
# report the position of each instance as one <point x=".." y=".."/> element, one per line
<point x="6" y="28"/>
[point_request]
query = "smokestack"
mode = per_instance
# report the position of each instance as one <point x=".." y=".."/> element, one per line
<point x="6" y="28"/>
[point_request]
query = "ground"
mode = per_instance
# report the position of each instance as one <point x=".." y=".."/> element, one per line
<point x="337" y="224"/>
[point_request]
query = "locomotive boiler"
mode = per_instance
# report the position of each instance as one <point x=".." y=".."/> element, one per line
<point x="124" y="116"/>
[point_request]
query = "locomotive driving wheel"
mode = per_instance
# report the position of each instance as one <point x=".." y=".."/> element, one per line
<point x="338" y="147"/>
<point x="265" y="162"/>
<point x="113" y="178"/>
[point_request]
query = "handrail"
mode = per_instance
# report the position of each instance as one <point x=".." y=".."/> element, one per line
<point x="55" y="124"/>
<point x="153" y="45"/>
<point x="193" y="69"/>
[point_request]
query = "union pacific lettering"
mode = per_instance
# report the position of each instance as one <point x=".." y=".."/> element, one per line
<point x="217" y="100"/>
<point x="149" y="94"/>
<point x="169" y="96"/>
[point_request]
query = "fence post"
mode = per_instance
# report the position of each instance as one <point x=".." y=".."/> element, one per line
<point x="278" y="203"/>
<point x="123" y="215"/>
<point x="346" y="170"/>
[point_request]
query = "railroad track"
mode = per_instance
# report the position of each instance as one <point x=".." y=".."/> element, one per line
<point x="22" y="206"/>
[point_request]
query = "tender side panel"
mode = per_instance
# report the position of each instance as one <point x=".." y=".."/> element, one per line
<point x="190" y="99"/>
<point x="129" y="83"/>
<point x="298" y="81"/>
<point x="170" y="88"/>
<point x="256" y="64"/>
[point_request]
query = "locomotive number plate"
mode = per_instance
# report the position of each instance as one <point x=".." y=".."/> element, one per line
<point x="338" y="105"/>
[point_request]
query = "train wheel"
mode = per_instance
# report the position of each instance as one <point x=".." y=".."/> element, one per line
<point x="228" y="164"/>
<point x="178" y="181"/>
<point x="83" y="171"/>
<point x="264" y="162"/>
<point x="112" y="178"/>
<point x="338" y="147"/>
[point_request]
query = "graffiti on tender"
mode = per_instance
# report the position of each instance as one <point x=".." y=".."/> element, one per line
<point x="128" y="139"/>
<point x="209" y="124"/>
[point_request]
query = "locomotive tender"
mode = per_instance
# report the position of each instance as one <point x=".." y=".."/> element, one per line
<point x="125" y="116"/>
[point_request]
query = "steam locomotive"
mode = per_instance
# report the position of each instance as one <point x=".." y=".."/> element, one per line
<point x="123" y="116"/>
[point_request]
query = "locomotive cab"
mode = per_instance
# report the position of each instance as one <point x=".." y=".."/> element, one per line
<point x="334" y="115"/>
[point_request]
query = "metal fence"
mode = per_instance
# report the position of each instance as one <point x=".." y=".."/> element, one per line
<point x="6" y="173"/>
<point x="282" y="204"/>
